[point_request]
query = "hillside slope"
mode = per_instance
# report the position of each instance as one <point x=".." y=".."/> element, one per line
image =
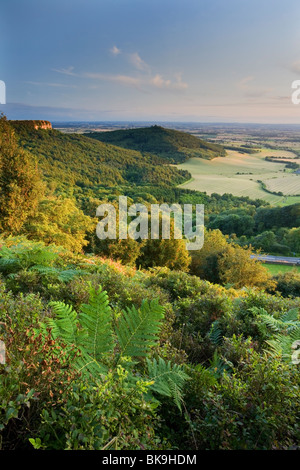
<point x="75" y="159"/>
<point x="171" y="145"/>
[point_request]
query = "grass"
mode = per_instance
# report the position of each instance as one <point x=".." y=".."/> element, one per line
<point x="280" y="268"/>
<point x="239" y="174"/>
<point x="288" y="185"/>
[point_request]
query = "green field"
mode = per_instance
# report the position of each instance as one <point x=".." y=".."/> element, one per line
<point x="239" y="174"/>
<point x="280" y="268"/>
<point x="288" y="184"/>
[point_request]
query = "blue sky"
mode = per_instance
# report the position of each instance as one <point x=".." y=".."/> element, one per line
<point x="158" y="60"/>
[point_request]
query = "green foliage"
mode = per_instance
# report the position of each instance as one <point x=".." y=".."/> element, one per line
<point x="233" y="223"/>
<point x="21" y="185"/>
<point x="286" y="322"/>
<point x="58" y="221"/>
<point x="168" y="379"/>
<point x="254" y="407"/>
<point x="127" y="251"/>
<point x="20" y="311"/>
<point x="110" y="415"/>
<point x="228" y="263"/>
<point x="204" y="261"/>
<point x="62" y="275"/>
<point x="288" y="284"/>
<point x="76" y="161"/>
<point x="113" y="377"/>
<point x="137" y="330"/>
<point x="168" y="253"/>
<point x="276" y="217"/>
<point x="36" y="372"/>
<point x="109" y="368"/>
<point x="44" y="401"/>
<point x="35" y="267"/>
<point x="235" y="267"/>
<point x="18" y="253"/>
<point x="286" y="346"/>
<point x="177" y="283"/>
<point x="92" y="332"/>
<point x="274" y="230"/>
<point x="173" y="146"/>
<point x="95" y="318"/>
<point x="194" y="320"/>
<point x="215" y="333"/>
<point x="282" y="334"/>
<point x="246" y="316"/>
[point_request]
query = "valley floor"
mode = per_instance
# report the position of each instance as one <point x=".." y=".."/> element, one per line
<point x="241" y="175"/>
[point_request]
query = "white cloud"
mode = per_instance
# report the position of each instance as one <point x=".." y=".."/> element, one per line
<point x="115" y="50"/>
<point x="51" y="84"/>
<point x="142" y="83"/>
<point x="122" y="79"/>
<point x="159" y="82"/>
<point x="143" y="79"/>
<point x="138" y="62"/>
<point x="67" y="71"/>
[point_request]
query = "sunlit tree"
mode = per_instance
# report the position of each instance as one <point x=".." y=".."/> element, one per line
<point x="21" y="187"/>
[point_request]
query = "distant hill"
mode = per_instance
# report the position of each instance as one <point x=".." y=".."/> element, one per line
<point x="77" y="160"/>
<point x="171" y="145"/>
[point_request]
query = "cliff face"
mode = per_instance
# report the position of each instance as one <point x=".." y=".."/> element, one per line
<point x="42" y="125"/>
<point x="36" y="124"/>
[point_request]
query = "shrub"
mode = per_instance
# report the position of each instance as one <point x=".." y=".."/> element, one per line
<point x="22" y="310"/>
<point x="111" y="415"/>
<point x="194" y="318"/>
<point x="288" y="284"/>
<point x="36" y="375"/>
<point x="253" y="408"/>
<point x="177" y="283"/>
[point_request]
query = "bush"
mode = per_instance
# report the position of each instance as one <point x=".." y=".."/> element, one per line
<point x="288" y="284"/>
<point x="193" y="320"/>
<point x="36" y="375"/>
<point x="177" y="283"/>
<point x="111" y="414"/>
<point x="253" y="408"/>
<point x="22" y="310"/>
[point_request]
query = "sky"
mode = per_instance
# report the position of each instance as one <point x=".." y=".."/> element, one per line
<point x="150" y="60"/>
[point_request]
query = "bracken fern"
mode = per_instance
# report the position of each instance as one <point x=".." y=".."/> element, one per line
<point x="104" y="343"/>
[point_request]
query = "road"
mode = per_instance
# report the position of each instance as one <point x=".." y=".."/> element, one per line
<point x="277" y="259"/>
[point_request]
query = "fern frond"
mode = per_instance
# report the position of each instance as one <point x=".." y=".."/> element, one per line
<point x="67" y="327"/>
<point x="67" y="275"/>
<point x="88" y="366"/>
<point x="287" y="322"/>
<point x="96" y="318"/>
<point x="10" y="265"/>
<point x="168" y="379"/>
<point x="274" y="324"/>
<point x="63" y="275"/>
<point x="65" y="323"/>
<point x="137" y="330"/>
<point x="44" y="270"/>
<point x="291" y="316"/>
<point x="218" y="366"/>
<point x="283" y="344"/>
<point x="215" y="333"/>
<point x="37" y="255"/>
